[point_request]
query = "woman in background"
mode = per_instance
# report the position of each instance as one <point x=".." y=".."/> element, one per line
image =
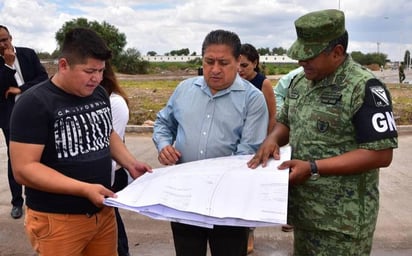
<point x="249" y="70"/>
<point x="120" y="115"/>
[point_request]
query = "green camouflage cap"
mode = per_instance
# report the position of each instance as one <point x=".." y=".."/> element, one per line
<point x="315" y="30"/>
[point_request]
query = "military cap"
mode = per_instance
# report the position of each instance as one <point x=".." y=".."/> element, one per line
<point x="315" y="30"/>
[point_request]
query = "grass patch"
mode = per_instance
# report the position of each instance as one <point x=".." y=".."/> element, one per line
<point x="402" y="103"/>
<point x="150" y="84"/>
<point x="147" y="97"/>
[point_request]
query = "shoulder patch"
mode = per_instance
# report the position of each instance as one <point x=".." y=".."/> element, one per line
<point x="374" y="120"/>
<point x="379" y="96"/>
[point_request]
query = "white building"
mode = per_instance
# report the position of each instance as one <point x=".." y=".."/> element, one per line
<point x="164" y="58"/>
<point x="276" y="59"/>
<point x="263" y="59"/>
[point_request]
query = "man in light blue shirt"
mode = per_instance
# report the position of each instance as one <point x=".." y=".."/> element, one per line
<point x="214" y="115"/>
<point x="281" y="90"/>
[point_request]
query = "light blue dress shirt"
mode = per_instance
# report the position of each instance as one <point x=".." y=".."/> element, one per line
<point x="202" y="125"/>
<point x="282" y="86"/>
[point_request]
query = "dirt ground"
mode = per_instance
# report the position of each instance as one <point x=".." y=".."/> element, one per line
<point x="402" y="103"/>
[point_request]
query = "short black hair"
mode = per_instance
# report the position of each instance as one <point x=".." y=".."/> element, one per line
<point x="342" y="40"/>
<point x="82" y="43"/>
<point x="220" y="36"/>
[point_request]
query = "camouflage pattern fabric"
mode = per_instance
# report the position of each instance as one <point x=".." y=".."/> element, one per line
<point x="314" y="31"/>
<point x="323" y="243"/>
<point x="319" y="115"/>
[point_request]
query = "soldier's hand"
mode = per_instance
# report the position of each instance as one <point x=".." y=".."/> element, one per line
<point x="299" y="171"/>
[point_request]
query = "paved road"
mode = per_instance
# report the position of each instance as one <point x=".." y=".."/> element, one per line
<point x="392" y="76"/>
<point x="387" y="76"/>
<point x="149" y="237"/>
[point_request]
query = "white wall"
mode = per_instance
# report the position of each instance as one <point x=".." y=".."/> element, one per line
<point x="263" y="59"/>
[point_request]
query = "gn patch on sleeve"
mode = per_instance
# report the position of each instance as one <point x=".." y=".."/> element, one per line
<point x="374" y="120"/>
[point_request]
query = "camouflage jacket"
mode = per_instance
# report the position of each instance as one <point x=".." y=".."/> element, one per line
<point x="322" y="118"/>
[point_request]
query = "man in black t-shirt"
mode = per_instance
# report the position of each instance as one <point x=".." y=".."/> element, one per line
<point x="62" y="153"/>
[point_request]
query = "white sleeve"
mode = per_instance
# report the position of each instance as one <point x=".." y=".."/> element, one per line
<point x="120" y="114"/>
<point x="120" y="117"/>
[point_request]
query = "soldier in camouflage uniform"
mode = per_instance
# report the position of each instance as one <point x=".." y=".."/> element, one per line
<point x="338" y="119"/>
<point x="401" y="73"/>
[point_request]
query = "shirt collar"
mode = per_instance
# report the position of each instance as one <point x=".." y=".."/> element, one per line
<point x="237" y="85"/>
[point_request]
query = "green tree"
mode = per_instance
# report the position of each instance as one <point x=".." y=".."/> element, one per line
<point x="358" y="57"/>
<point x="278" y="51"/>
<point x="263" y="51"/>
<point x="181" y="52"/>
<point x="379" y="58"/>
<point x="151" y="53"/>
<point x="131" y="62"/>
<point x="55" y="54"/>
<point x="43" y="55"/>
<point x="407" y="58"/>
<point x="115" y="40"/>
<point x="369" y="58"/>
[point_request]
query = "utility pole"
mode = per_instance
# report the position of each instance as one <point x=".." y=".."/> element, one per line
<point x="377" y="45"/>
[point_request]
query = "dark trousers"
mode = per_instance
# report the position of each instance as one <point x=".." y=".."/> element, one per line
<point x="15" y="188"/>
<point x="223" y="240"/>
<point x="120" y="182"/>
<point x="122" y="241"/>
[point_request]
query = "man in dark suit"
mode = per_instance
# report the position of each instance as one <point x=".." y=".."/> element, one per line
<point x="20" y="68"/>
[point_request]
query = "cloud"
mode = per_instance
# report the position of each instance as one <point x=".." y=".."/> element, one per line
<point x="167" y="25"/>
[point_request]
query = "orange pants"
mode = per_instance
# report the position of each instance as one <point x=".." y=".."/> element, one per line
<point x="72" y="234"/>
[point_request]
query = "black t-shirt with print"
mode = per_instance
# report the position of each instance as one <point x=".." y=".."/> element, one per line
<point x="75" y="132"/>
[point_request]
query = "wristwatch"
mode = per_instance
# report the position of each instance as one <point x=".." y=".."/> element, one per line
<point x="314" y="173"/>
